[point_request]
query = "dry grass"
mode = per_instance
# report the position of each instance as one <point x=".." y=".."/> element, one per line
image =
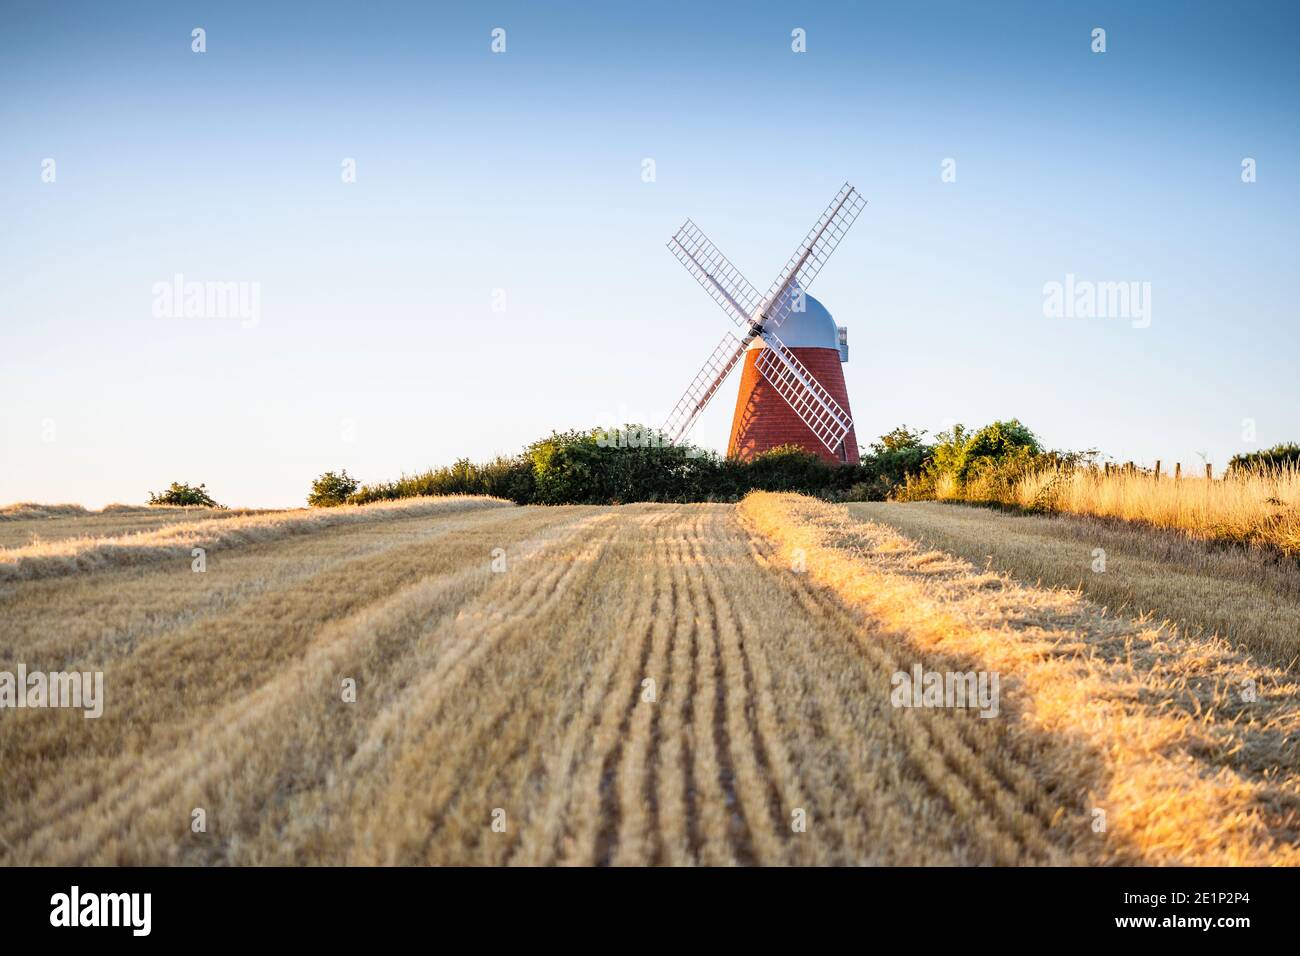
<point x="1249" y="597"/>
<point x="27" y="510"/>
<point x="520" y="691"/>
<point x="1257" y="507"/>
<point x="525" y="692"/>
<point x="1138" y="721"/>
<point x="25" y="524"/>
<point x="24" y="510"/>
<point x="87" y="551"/>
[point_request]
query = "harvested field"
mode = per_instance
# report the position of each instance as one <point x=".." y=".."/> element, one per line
<point x="1248" y="596"/>
<point x="97" y="548"/>
<point x="23" y="525"/>
<point x="645" y="684"/>
<point x="1185" y="747"/>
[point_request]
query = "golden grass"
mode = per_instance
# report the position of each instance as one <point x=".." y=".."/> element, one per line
<point x="26" y="524"/>
<point x="478" y="691"/>
<point x="1249" y="597"/>
<point x="1130" y="717"/>
<point x="25" y="510"/>
<point x="85" y="552"/>
<point x="1257" y="507"/>
<point x="523" y="692"/>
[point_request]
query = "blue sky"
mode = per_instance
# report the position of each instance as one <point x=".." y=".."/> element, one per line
<point x="377" y="347"/>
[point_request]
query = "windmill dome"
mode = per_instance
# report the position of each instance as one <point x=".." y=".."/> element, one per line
<point x="813" y="328"/>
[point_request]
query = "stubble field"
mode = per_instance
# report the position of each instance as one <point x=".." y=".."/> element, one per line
<point x="645" y="684"/>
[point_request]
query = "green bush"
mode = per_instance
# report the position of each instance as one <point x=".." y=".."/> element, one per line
<point x="509" y="478"/>
<point x="636" y="463"/>
<point x="181" y="493"/>
<point x="330" y="489"/>
<point x="1287" y="453"/>
<point x="898" y="455"/>
<point x="633" y="463"/>
<point x="788" y="468"/>
<point x="984" y="465"/>
<point x="962" y="455"/>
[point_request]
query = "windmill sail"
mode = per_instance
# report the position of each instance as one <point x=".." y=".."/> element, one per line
<point x="803" y="393"/>
<point x="811" y="255"/>
<point x="704" y="386"/>
<point x="720" y="279"/>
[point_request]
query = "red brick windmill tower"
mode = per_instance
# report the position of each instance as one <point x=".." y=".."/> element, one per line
<point x="792" y="389"/>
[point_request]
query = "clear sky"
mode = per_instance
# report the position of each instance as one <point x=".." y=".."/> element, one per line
<point x="377" y="347"/>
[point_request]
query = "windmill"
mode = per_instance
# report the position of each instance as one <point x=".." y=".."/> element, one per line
<point x="791" y="394"/>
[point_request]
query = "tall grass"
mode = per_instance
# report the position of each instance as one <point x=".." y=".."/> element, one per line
<point x="65" y="556"/>
<point x="1260" y="506"/>
<point x="1148" y="723"/>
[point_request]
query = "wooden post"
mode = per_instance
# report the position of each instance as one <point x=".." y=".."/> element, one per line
<point x="1178" y="470"/>
<point x="1107" y="469"/>
<point x="1157" y="469"/>
<point x="1209" y="472"/>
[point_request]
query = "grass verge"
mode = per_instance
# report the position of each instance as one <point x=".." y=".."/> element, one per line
<point x="1183" y="748"/>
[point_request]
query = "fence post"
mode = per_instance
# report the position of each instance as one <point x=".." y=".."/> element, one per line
<point x="1209" y="472"/>
<point x="1178" y="470"/>
<point x="1157" y="469"/>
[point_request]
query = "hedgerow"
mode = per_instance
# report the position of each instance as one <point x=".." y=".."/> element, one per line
<point x="636" y="463"/>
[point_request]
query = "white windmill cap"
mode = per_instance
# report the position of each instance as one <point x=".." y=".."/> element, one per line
<point x="813" y="328"/>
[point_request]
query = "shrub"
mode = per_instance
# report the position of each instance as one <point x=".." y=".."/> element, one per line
<point x="963" y="455"/>
<point x="633" y="463"/>
<point x="788" y="468"/>
<point x="922" y="487"/>
<point x="1276" y="457"/>
<point x="861" y="491"/>
<point x="636" y="463"/>
<point x="181" y="493"/>
<point x="509" y="478"/>
<point x="897" y="456"/>
<point x="901" y="438"/>
<point x="330" y="489"/>
<point x="995" y="464"/>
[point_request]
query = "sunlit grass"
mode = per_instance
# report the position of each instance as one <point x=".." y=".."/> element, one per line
<point x="1154" y="726"/>
<point x="103" y="548"/>
<point x="1257" y="507"/>
<point x="1249" y="597"/>
<point x="501" y="659"/>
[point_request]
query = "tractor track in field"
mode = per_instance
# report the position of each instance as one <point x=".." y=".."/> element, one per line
<point x="740" y="737"/>
<point x="1001" y="791"/>
<point x="504" y="718"/>
<point x="612" y="765"/>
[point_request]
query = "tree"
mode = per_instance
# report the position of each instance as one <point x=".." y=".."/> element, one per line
<point x="1276" y="457"/>
<point x="901" y="438"/>
<point x="181" y="493"/>
<point x="330" y="489"/>
<point x="959" y="452"/>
